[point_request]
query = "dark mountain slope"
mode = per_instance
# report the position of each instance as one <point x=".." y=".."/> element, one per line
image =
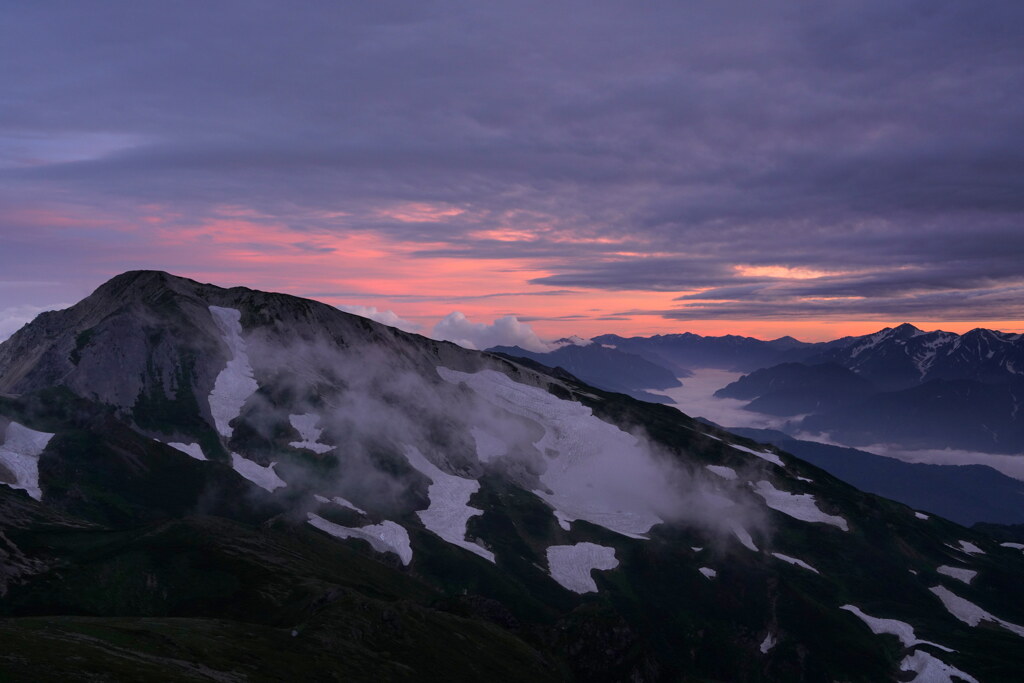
<point x="605" y="368"/>
<point x="958" y="414"/>
<point x="966" y="494"/>
<point x="795" y="388"/>
<point x="410" y="509"/>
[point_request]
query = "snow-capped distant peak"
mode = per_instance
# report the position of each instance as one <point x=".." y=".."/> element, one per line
<point x="571" y="340"/>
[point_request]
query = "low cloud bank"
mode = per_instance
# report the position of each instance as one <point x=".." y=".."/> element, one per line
<point x="384" y="317"/>
<point x="505" y="331"/>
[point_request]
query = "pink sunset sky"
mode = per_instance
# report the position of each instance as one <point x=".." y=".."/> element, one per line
<point x="587" y="168"/>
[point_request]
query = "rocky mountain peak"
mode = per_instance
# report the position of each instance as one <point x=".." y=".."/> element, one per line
<point x="325" y="483"/>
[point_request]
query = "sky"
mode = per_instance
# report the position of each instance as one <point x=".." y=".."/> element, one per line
<point x="528" y="169"/>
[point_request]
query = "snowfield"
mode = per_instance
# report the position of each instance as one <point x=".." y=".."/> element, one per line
<point x="264" y="477"/>
<point x="386" y="537"/>
<point x="20" y="456"/>
<point x="722" y="471"/>
<point x="797" y="505"/>
<point x="764" y="455"/>
<point x="958" y="573"/>
<point x="570" y="565"/>
<point x="305" y="425"/>
<point x="793" y="560"/>
<point x="449" y="509"/>
<point x="921" y="515"/>
<point x="969" y="613"/>
<point x="488" y="446"/>
<point x="192" y="449"/>
<point x="599" y="474"/>
<point x="563" y="521"/>
<point x="970" y="548"/>
<point x="768" y="643"/>
<point x="708" y="572"/>
<point x="900" y="629"/>
<point x="932" y="670"/>
<point x="235" y="383"/>
<point x="340" y="502"/>
<point x="743" y="535"/>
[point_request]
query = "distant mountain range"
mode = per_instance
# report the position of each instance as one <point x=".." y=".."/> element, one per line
<point x="901" y="385"/>
<point x="200" y="483"/>
<point x="604" y="367"/>
<point x="687" y="351"/>
<point x="898" y="385"/>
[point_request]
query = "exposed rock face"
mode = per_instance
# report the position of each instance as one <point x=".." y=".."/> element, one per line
<point x="314" y="492"/>
<point x="146" y="341"/>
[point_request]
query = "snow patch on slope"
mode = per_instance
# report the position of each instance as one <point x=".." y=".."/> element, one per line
<point x="764" y="455"/>
<point x="722" y="471"/>
<point x="793" y="560"/>
<point x="932" y="670"/>
<point x="969" y="613"/>
<point x="20" y="456"/>
<point x="708" y="572"/>
<point x="235" y="383"/>
<point x="797" y="505"/>
<point x="192" y="449"/>
<point x="449" y="509"/>
<point x="958" y="573"/>
<point x="264" y="477"/>
<point x="599" y="473"/>
<point x="743" y="535"/>
<point x="970" y="548"/>
<point x="563" y="521"/>
<point x="768" y="643"/>
<point x="340" y="502"/>
<point x="305" y="425"/>
<point x="386" y="537"/>
<point x="570" y="565"/>
<point x="900" y="629"/>
<point x="488" y="446"/>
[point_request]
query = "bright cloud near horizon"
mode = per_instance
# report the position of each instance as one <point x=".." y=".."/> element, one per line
<point x="526" y="170"/>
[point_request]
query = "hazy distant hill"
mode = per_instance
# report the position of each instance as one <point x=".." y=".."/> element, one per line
<point x="967" y="494"/>
<point x="682" y="352"/>
<point x="796" y="389"/>
<point x="603" y="367"/>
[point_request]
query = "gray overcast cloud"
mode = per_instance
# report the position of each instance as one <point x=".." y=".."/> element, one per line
<point x="877" y="145"/>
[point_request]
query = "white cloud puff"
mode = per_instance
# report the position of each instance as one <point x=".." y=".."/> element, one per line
<point x="389" y="318"/>
<point x="504" y="331"/>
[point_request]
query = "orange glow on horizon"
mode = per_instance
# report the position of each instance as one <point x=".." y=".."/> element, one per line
<point x="368" y="269"/>
<point x="240" y="246"/>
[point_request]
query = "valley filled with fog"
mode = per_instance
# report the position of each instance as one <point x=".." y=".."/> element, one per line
<point x="696" y="397"/>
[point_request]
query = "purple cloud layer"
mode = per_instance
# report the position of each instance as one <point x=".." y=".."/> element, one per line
<point x="653" y="146"/>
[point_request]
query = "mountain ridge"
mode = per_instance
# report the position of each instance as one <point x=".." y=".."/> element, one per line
<point x="331" y="487"/>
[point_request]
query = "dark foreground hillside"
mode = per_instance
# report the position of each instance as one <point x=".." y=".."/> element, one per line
<point x="229" y="485"/>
